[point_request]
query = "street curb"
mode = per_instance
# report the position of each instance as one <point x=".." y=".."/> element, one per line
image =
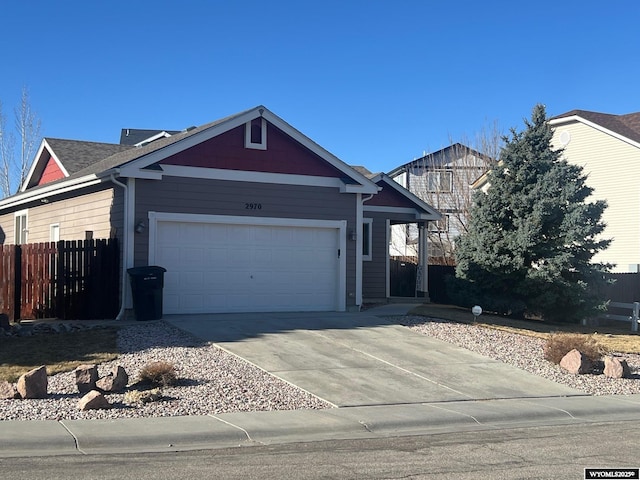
<point x="232" y="430"/>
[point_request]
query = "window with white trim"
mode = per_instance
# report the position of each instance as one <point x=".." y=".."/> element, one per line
<point x="367" y="242"/>
<point x="54" y="232"/>
<point x="21" y="231"/>
<point x="440" y="226"/>
<point x="440" y="181"/>
<point x="255" y="134"/>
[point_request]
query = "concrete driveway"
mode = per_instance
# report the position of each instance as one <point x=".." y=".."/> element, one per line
<point x="362" y="359"/>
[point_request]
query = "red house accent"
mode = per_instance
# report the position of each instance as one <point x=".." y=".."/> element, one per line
<point x="51" y="172"/>
<point x="228" y="152"/>
<point x="389" y="197"/>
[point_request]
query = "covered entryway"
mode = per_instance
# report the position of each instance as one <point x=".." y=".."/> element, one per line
<point x="247" y="264"/>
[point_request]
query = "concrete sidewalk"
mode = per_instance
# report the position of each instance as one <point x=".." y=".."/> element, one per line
<point x="170" y="434"/>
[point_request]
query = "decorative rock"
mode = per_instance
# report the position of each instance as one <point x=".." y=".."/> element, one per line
<point x="94" y="400"/>
<point x="8" y="391"/>
<point x="86" y="377"/>
<point x="114" y="381"/>
<point x="33" y="384"/>
<point x="575" y="362"/>
<point x="616" y="368"/>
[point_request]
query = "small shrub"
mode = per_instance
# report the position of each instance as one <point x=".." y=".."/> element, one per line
<point x="559" y="344"/>
<point x="158" y="373"/>
<point x="133" y="397"/>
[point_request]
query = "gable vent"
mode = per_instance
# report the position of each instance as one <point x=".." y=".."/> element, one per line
<point x="255" y="134"/>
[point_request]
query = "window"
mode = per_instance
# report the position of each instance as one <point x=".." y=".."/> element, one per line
<point x="440" y="181"/>
<point x="54" y="232"/>
<point x="21" y="231"/>
<point x="440" y="226"/>
<point x="255" y="134"/>
<point x="366" y="238"/>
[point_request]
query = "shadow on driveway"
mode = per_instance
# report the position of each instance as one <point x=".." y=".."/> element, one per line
<point x="360" y="359"/>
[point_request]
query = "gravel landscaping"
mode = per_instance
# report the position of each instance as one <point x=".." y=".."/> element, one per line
<point x="214" y="381"/>
<point x="525" y="353"/>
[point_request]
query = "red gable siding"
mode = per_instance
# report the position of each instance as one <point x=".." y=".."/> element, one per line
<point x="227" y="151"/>
<point x="51" y="173"/>
<point x="389" y="197"/>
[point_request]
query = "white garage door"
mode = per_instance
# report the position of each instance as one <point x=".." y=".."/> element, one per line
<point x="213" y="267"/>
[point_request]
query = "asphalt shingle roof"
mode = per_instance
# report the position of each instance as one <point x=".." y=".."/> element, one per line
<point x="125" y="154"/>
<point x="627" y="125"/>
<point x="76" y="155"/>
<point x="132" y="136"/>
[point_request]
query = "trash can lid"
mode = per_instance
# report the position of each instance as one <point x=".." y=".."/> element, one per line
<point x="146" y="270"/>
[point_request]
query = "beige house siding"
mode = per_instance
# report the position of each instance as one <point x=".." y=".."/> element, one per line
<point x="7" y="227"/>
<point x="613" y="167"/>
<point x="99" y="212"/>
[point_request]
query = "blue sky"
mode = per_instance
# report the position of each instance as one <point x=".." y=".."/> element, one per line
<point x="374" y="82"/>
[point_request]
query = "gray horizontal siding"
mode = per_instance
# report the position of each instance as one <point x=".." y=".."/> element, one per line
<point x="374" y="272"/>
<point x="218" y="197"/>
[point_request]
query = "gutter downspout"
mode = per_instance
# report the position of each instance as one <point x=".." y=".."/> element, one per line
<point x="125" y="242"/>
<point x="359" y="265"/>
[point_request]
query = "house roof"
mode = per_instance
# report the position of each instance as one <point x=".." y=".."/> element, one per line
<point x="364" y="171"/>
<point x="71" y="156"/>
<point x="627" y="125"/>
<point x="92" y="160"/>
<point x="391" y="189"/>
<point x="77" y="155"/>
<point x="438" y="158"/>
<point x="134" y="136"/>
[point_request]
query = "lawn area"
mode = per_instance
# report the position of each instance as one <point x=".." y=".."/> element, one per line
<point x="616" y="338"/>
<point x="60" y="352"/>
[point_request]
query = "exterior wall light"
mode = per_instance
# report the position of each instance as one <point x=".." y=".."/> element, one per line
<point x="140" y="227"/>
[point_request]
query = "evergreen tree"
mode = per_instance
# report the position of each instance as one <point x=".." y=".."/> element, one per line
<point x="532" y="235"/>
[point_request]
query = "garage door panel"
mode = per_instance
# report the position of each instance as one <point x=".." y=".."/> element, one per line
<point x="217" y="257"/>
<point x="233" y="268"/>
<point x="237" y="234"/>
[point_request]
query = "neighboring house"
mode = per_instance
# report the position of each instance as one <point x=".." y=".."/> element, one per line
<point x="245" y="213"/>
<point x="608" y="148"/>
<point x="442" y="179"/>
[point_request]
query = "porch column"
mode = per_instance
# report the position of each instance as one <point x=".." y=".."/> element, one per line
<point x="422" y="283"/>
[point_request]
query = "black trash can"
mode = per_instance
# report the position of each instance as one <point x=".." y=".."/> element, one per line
<point x="146" y="287"/>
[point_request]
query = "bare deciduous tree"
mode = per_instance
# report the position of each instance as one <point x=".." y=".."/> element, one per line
<point x="443" y="179"/>
<point x="14" y="166"/>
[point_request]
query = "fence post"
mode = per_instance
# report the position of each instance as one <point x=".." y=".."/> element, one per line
<point x="636" y="316"/>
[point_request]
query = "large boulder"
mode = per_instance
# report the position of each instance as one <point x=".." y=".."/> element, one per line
<point x="616" y="368"/>
<point x="86" y="377"/>
<point x="94" y="400"/>
<point x="8" y="391"/>
<point x="575" y="362"/>
<point x="115" y="381"/>
<point x="33" y="384"/>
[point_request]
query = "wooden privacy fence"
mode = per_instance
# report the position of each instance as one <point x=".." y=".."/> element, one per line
<point x="66" y="279"/>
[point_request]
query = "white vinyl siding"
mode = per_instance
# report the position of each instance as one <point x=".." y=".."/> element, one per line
<point x="613" y="170"/>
